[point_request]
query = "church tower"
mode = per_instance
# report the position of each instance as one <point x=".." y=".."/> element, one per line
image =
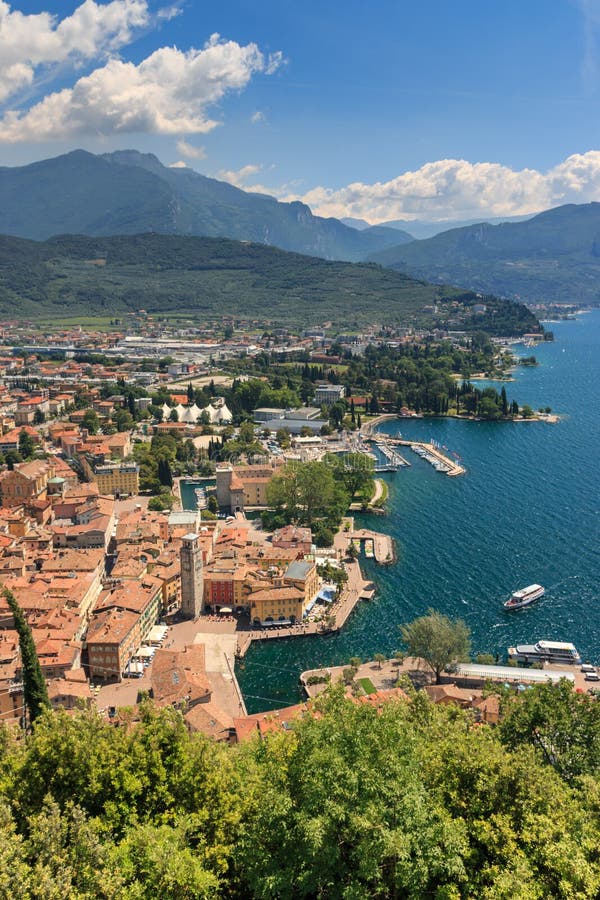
<point x="192" y="581"/>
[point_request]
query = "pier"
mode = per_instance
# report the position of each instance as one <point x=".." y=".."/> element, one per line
<point x="383" y="546"/>
<point x="393" y="459"/>
<point x="432" y="455"/>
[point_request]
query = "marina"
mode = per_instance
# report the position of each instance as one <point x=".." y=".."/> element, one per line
<point x="392" y="460"/>
<point x="431" y="453"/>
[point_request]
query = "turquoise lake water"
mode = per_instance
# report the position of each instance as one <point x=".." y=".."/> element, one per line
<point x="526" y="511"/>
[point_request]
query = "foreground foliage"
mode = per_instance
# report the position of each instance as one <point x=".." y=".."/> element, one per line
<point x="410" y="801"/>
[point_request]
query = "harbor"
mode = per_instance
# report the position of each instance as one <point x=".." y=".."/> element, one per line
<point x="433" y="454"/>
<point x="392" y="460"/>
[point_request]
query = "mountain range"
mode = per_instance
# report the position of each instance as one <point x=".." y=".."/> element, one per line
<point x="420" y="229"/>
<point x="127" y="192"/>
<point x="552" y="257"/>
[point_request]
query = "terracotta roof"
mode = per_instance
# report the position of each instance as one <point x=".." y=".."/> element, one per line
<point x="263" y="723"/>
<point x="180" y="675"/>
<point x="210" y="720"/>
<point x="111" y="626"/>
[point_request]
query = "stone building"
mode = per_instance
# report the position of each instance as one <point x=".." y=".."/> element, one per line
<point x="192" y="581"/>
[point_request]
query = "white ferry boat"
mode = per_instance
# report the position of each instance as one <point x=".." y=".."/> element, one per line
<point x="545" y="651"/>
<point x="525" y="596"/>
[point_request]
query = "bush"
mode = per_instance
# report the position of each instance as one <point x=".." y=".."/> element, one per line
<point x="485" y="659"/>
<point x="348" y="674"/>
<point x="323" y="535"/>
<point x="161" y="503"/>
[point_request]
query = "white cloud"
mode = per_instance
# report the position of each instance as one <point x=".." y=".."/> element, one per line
<point x="190" y="150"/>
<point x="28" y="42"/>
<point x="238" y="177"/>
<point x="257" y="117"/>
<point x="180" y="164"/>
<point x="457" y="189"/>
<point x="167" y="93"/>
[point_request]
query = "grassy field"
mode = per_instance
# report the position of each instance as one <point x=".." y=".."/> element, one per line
<point x="367" y="685"/>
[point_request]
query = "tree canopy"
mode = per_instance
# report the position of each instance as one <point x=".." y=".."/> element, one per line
<point x="407" y="800"/>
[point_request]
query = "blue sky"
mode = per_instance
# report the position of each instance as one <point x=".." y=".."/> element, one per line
<point x="380" y="109"/>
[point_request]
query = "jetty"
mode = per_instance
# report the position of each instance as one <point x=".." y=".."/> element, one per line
<point x="392" y="459"/>
<point x="433" y="455"/>
<point x="383" y="545"/>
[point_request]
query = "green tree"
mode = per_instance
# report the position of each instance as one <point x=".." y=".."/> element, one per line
<point x="379" y="659"/>
<point x="562" y="725"/>
<point x="246" y="434"/>
<point x="440" y="641"/>
<point x="12" y="458"/>
<point x="123" y="420"/>
<point x="165" y="476"/>
<point x="173" y="415"/>
<point x="161" y="502"/>
<point x="26" y="445"/>
<point x="90" y="421"/>
<point x="35" y="692"/>
<point x="282" y="436"/>
<point x="39" y="417"/>
<point x="213" y="505"/>
<point x="354" y="470"/>
<point x="156" y="412"/>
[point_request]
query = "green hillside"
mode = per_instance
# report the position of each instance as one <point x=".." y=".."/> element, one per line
<point x="554" y="257"/>
<point x="211" y="277"/>
<point x="127" y="192"/>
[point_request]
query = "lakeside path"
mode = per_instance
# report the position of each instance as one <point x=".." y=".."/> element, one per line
<point x="378" y="493"/>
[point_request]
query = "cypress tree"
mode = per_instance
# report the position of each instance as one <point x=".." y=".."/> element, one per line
<point x="504" y="402"/>
<point x="35" y="692"/>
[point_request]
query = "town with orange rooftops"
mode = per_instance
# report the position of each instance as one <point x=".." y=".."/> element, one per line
<point x="172" y="493"/>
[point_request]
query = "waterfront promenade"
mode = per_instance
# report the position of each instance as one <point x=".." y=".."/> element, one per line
<point x="338" y="612"/>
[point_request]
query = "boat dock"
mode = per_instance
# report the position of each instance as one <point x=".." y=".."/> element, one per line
<point x="393" y="459"/>
<point x="380" y="546"/>
<point x="433" y="455"/>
